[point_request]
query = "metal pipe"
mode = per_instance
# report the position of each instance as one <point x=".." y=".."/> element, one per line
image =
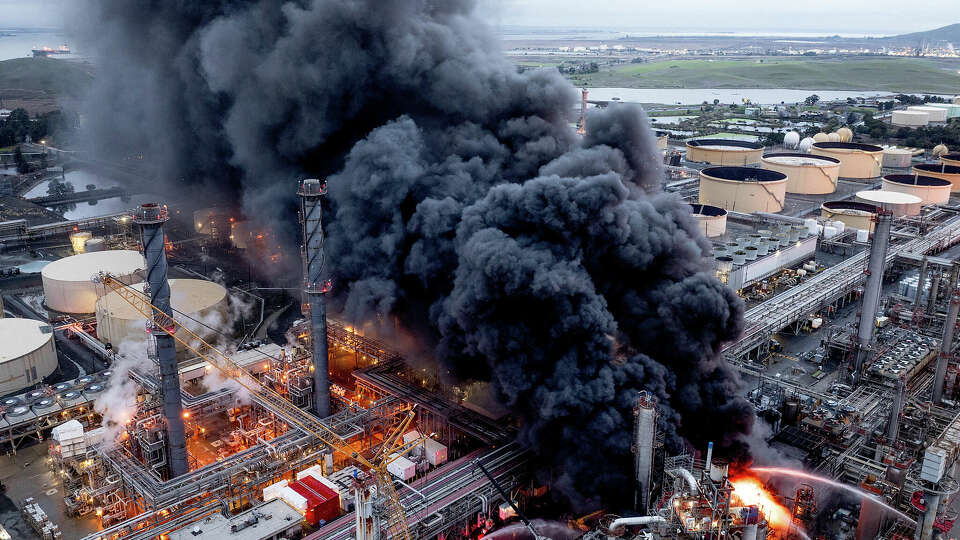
<point x="631" y="521"/>
<point x="934" y="292"/>
<point x="946" y="343"/>
<point x="930" y="516"/>
<point x="151" y="217"/>
<point x="316" y="285"/>
<point x="920" y="282"/>
<point x="893" y="425"/>
<point x="871" y="292"/>
<point x="691" y="481"/>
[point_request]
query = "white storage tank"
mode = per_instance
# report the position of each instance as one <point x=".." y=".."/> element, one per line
<point x="806" y="174"/>
<point x="856" y="160"/>
<point x="936" y="114"/>
<point x="930" y="189"/>
<point x="94" y="245"/>
<point x="743" y="189"/>
<point x="27" y="353"/>
<point x="898" y="158"/>
<point x="68" y="285"/>
<point x="911" y="119"/>
<point x="901" y="204"/>
<point x="724" y="152"/>
<point x="118" y="321"/>
<point x="863" y="235"/>
<point x="846" y="134"/>
<point x="806" y="144"/>
<point x="711" y="220"/>
<point x="852" y="214"/>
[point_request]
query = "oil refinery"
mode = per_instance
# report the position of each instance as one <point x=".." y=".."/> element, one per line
<point x="433" y="295"/>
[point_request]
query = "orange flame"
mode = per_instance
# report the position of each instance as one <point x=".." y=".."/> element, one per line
<point x="751" y="492"/>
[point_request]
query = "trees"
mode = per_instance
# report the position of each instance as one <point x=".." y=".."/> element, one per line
<point x="22" y="165"/>
<point x="812" y="100"/>
<point x="851" y="118"/>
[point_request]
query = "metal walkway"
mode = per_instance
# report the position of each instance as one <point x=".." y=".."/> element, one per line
<point x="768" y="318"/>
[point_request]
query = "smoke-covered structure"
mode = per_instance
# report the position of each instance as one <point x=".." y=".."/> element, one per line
<point x="462" y="202"/>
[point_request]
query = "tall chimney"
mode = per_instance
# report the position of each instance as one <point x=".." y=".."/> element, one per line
<point x="582" y="124"/>
<point x="946" y="343"/>
<point x="315" y="286"/>
<point x="644" y="434"/>
<point x="151" y="217"/>
<point x="871" y="293"/>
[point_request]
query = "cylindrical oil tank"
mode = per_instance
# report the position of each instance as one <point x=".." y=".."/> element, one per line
<point x="951" y="159"/>
<point x="935" y="114"/>
<point x="68" y="285"/>
<point x="724" y="152"/>
<point x="27" y="354"/>
<point x="846" y="134"/>
<point x="196" y="299"/>
<point x="743" y="189"/>
<point x="940" y="170"/>
<point x="910" y="118"/>
<point x="953" y="111"/>
<point x="94" y="245"/>
<point x="852" y="214"/>
<point x="821" y="137"/>
<point x="806" y="174"/>
<point x="711" y="220"/>
<point x="856" y="160"/>
<point x="78" y="241"/>
<point x="930" y="189"/>
<point x="662" y="139"/>
<point x="900" y="204"/>
<point x="898" y="158"/>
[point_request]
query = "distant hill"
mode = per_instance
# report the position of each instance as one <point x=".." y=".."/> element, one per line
<point x="21" y="77"/>
<point x="949" y="33"/>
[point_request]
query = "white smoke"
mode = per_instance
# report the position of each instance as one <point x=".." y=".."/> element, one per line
<point x="118" y="403"/>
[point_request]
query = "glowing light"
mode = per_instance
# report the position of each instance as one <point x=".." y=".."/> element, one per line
<point x="186" y="414"/>
<point x="750" y="492"/>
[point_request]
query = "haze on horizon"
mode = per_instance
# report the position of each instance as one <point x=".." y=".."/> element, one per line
<point x="855" y="17"/>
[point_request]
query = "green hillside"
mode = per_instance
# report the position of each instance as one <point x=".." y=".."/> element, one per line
<point x="43" y="76"/>
<point x="881" y="74"/>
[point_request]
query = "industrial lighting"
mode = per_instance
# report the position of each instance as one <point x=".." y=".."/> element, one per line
<point x="186" y="414"/>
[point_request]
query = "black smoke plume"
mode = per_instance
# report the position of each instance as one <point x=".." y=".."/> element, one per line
<point x="461" y="202"/>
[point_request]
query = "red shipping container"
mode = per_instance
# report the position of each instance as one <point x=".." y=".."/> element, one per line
<point x="324" y="503"/>
<point x="329" y="509"/>
<point x="313" y="501"/>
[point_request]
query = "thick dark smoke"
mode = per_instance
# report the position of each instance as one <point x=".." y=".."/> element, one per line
<point x="461" y="202"/>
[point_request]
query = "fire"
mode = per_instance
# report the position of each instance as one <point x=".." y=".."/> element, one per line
<point x="751" y="492"/>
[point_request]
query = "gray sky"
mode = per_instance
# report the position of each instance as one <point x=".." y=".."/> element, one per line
<point x="846" y="16"/>
<point x="30" y="13"/>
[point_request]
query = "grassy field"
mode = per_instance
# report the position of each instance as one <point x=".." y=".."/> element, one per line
<point x="882" y="74"/>
<point x="36" y="83"/>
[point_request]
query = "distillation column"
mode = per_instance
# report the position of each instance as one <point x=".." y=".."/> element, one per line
<point x="315" y="286"/>
<point x="151" y="217"/>
<point x="871" y="293"/>
<point x="946" y="343"/>
<point x="644" y="435"/>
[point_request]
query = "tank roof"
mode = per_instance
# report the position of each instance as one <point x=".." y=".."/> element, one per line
<point x="707" y="210"/>
<point x="22" y="336"/>
<point x="744" y="174"/>
<point x="938" y="168"/>
<point x="917" y="180"/>
<point x="850" y="205"/>
<point x="186" y="296"/>
<point x="799" y="159"/>
<point x="84" y="266"/>
<point x="732" y="143"/>
<point x="954" y="156"/>
<point x="883" y="198"/>
<point x="847" y="146"/>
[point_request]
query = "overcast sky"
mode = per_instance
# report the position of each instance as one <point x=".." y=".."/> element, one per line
<point x="847" y="16"/>
<point x="835" y="16"/>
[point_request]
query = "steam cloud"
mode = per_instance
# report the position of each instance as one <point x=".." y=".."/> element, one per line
<point x="461" y="202"/>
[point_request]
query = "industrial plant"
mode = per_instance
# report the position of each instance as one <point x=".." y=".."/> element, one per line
<point x="431" y="296"/>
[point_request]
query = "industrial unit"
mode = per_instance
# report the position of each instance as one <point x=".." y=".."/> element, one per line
<point x="724" y="152"/>
<point x="857" y="160"/>
<point x="743" y="189"/>
<point x="806" y="174"/>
